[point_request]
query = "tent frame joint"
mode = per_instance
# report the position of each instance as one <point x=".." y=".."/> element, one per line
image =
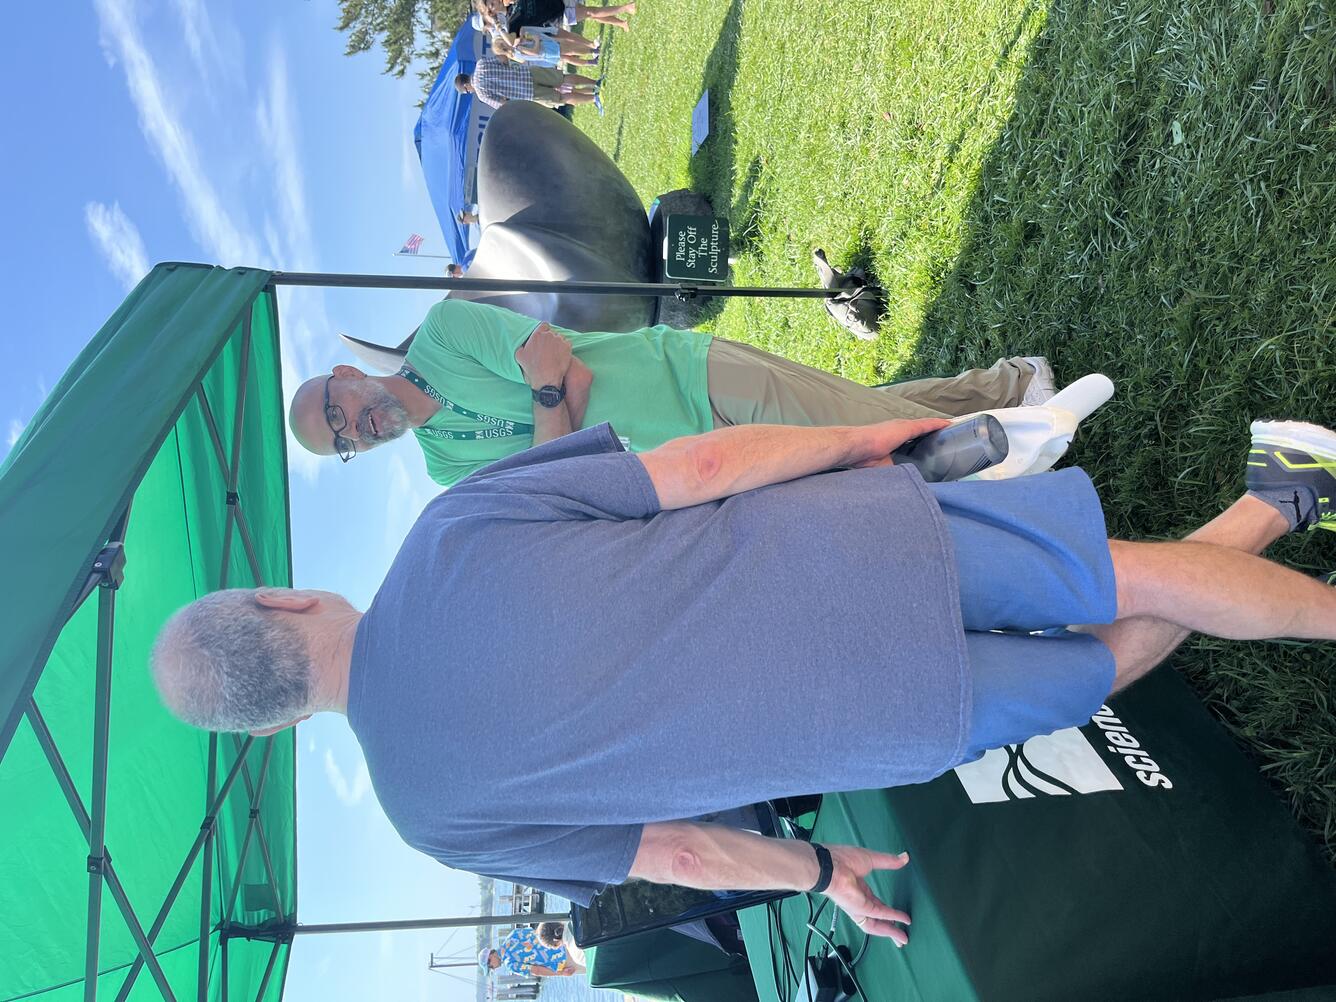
<point x="109" y="566"/>
<point x="99" y="864"/>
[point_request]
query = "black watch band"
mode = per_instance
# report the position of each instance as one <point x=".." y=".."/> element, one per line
<point x="827" y="870"/>
<point x="549" y="395"/>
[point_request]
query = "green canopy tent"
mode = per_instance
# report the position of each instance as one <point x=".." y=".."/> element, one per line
<point x="154" y="472"/>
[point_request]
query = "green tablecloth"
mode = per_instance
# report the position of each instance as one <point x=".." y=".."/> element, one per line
<point x="1204" y="888"/>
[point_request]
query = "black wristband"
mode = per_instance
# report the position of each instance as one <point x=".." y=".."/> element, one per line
<point x="827" y="866"/>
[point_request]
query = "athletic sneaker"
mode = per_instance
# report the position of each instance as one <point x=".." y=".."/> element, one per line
<point x="1043" y="386"/>
<point x="1299" y="459"/>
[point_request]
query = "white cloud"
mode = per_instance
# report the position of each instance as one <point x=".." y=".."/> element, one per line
<point x="197" y="31"/>
<point x="15" y="430"/>
<point x="209" y="221"/>
<point x="291" y="243"/>
<point x="276" y="120"/>
<point x="349" y="792"/>
<point x="223" y="232"/>
<point x="118" y="239"/>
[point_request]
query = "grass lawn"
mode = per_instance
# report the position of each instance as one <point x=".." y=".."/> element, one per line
<point x="1144" y="188"/>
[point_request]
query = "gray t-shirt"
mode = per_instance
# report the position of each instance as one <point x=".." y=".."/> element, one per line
<point x="552" y="661"/>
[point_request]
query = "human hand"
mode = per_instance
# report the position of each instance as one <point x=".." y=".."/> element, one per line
<point x="544" y="357"/>
<point x="874" y="443"/>
<point x="579" y="378"/>
<point x="850" y="891"/>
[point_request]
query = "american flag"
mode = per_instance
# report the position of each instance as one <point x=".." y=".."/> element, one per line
<point x="412" y="244"/>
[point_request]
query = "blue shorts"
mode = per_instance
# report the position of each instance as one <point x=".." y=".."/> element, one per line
<point x="1032" y="554"/>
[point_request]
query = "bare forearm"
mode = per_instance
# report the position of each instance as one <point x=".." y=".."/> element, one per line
<point x="728" y="461"/>
<point x="732" y="460"/>
<point x="579" y="381"/>
<point x="713" y="857"/>
<point x="716" y="858"/>
<point x="550" y="422"/>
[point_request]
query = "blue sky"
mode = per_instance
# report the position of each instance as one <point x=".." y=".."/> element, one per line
<point x="237" y="132"/>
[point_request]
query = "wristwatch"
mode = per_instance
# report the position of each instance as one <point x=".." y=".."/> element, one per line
<point x="550" y="396"/>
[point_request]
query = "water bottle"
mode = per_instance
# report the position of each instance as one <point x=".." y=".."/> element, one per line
<point x="956" y="451"/>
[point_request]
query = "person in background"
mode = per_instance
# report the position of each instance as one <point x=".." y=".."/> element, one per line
<point x="522" y="953"/>
<point x="495" y="81"/>
<point x="454" y="271"/>
<point x="545" y="47"/>
<point x="480" y="383"/>
<point x="557" y="934"/>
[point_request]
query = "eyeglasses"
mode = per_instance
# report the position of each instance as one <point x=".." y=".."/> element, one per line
<point x="337" y="421"/>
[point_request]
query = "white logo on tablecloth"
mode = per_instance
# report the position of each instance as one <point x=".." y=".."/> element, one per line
<point x="1053" y="765"/>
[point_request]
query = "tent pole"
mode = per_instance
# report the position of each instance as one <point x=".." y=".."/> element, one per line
<point x="67" y="787"/>
<point x="97" y="845"/>
<point x="206" y="871"/>
<point x="232" y="470"/>
<point x="264" y="844"/>
<point x="660" y="289"/>
<point x="268" y="972"/>
<point x="108" y="577"/>
<point x="286" y="932"/>
<point x="247" y="543"/>
<point x="223" y="993"/>
<point x="205" y="827"/>
<point x="250" y="829"/>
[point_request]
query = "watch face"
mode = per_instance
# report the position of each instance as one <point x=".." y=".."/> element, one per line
<point x="550" y="396"/>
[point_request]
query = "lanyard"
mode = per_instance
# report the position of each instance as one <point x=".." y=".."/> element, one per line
<point x="496" y="427"/>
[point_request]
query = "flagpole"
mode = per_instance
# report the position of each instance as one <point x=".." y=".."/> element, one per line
<point x="441" y="257"/>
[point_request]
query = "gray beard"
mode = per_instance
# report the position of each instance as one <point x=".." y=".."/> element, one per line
<point x="392" y="420"/>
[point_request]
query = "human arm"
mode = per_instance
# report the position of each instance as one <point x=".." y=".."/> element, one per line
<point x="579" y="380"/>
<point x="546" y="972"/>
<point x="551" y="422"/>
<point x="714" y="857"/>
<point x="545" y="359"/>
<point x="699" y="468"/>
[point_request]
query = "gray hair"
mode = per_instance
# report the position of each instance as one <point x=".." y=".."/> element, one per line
<point x="226" y="663"/>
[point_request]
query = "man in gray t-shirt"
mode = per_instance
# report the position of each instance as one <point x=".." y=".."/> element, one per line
<point x="720" y="621"/>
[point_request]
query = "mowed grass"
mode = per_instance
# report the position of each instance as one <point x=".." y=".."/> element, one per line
<point x="1145" y="188"/>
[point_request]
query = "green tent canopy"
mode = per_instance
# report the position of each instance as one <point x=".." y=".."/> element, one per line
<point x="155" y="472"/>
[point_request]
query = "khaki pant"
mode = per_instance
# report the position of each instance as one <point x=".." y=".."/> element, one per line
<point x="546" y="79"/>
<point x="751" y="386"/>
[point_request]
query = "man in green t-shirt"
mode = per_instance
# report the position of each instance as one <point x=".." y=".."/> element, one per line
<point x="480" y="383"/>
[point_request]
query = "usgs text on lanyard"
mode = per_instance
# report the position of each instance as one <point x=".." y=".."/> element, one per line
<point x="496" y="427"/>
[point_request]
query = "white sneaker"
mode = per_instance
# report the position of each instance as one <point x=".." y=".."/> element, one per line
<point x="1043" y="386"/>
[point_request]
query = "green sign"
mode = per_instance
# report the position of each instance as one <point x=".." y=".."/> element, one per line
<point x="697" y="248"/>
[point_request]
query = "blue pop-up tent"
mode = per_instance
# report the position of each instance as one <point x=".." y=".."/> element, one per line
<point x="447" y="135"/>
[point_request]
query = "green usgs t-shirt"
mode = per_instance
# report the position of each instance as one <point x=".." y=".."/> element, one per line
<point x="650" y="384"/>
